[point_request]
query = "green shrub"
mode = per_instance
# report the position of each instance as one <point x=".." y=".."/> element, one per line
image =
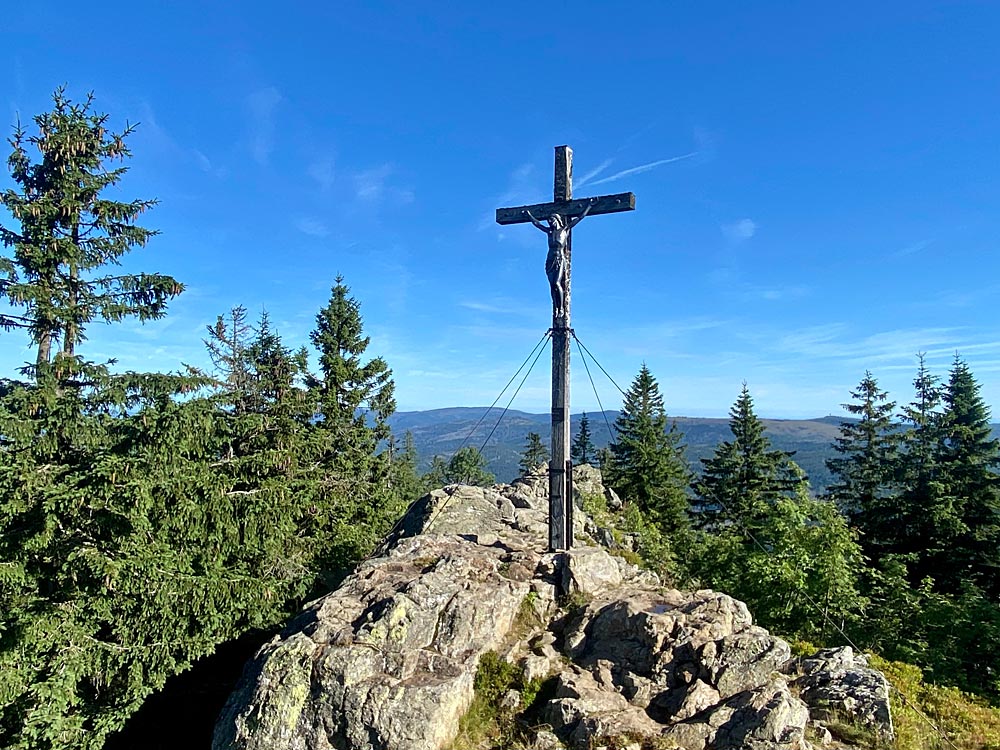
<point x="488" y="724"/>
<point x="967" y="720"/>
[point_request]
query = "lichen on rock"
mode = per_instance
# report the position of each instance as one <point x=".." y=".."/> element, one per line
<point x="388" y="660"/>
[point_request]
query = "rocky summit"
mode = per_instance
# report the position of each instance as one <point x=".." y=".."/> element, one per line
<point x="389" y="659"/>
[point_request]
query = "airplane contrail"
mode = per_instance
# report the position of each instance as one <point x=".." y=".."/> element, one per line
<point x="642" y="168"/>
<point x="593" y="173"/>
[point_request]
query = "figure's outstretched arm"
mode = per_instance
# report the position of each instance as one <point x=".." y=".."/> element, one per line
<point x="537" y="223"/>
<point x="573" y="222"/>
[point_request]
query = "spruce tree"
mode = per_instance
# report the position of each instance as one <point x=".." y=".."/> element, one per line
<point x="969" y="460"/>
<point x="605" y="458"/>
<point x="407" y="484"/>
<point x="266" y="411"/>
<point x="354" y="400"/>
<point x="437" y="475"/>
<point x="352" y="392"/>
<point x="70" y="230"/>
<point x="533" y="455"/>
<point x="766" y="539"/>
<point x="744" y="477"/>
<point x="227" y="344"/>
<point x="648" y="466"/>
<point x="927" y="520"/>
<point x="92" y="465"/>
<point x="864" y="472"/>
<point x="803" y="554"/>
<point x="582" y="449"/>
<point x="466" y="466"/>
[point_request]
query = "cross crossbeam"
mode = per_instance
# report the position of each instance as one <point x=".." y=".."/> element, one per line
<point x="562" y="214"/>
<point x="603" y="204"/>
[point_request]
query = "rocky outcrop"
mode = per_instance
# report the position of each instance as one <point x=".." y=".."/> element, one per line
<point x="837" y="682"/>
<point x="388" y="660"/>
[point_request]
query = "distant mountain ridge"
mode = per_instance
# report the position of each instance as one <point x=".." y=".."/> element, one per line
<point x="441" y="432"/>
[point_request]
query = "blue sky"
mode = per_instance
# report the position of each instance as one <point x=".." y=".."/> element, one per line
<point x="816" y="183"/>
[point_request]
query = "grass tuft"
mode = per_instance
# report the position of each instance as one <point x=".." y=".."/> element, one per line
<point x="967" y="720"/>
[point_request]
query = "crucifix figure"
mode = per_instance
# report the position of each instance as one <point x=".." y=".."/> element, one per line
<point x="561" y="215"/>
<point x="557" y="261"/>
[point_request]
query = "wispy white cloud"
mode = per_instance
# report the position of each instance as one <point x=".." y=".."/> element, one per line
<point x="370" y="183"/>
<point x="372" y="186"/>
<point x="912" y="248"/>
<point x="500" y="306"/>
<point x="522" y="188"/>
<point x="153" y="132"/>
<point x="833" y="341"/>
<point x="777" y="294"/>
<point x="156" y="136"/>
<point x="207" y="166"/>
<point x="677" y="327"/>
<point x="822" y="340"/>
<point x="262" y="105"/>
<point x="642" y="168"/>
<point x="322" y="171"/>
<point x="739" y="231"/>
<point x="593" y="173"/>
<point x="312" y="227"/>
<point x="966" y="297"/>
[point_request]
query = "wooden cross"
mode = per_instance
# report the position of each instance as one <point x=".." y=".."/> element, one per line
<point x="562" y="214"/>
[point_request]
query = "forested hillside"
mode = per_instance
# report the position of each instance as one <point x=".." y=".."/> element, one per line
<point x="439" y="432"/>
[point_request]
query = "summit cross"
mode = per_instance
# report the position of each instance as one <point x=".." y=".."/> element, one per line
<point x="557" y="220"/>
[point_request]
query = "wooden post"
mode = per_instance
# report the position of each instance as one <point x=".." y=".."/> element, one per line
<point x="570" y="211"/>
<point x="561" y="537"/>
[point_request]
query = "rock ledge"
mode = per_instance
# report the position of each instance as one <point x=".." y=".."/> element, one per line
<point x="387" y="661"/>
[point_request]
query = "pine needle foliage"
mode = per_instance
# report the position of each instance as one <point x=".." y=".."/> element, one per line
<point x="648" y="466"/>
<point x="146" y="518"/>
<point x="534" y="454"/>
<point x="864" y="470"/>
<point x="466" y="466"/>
<point x="745" y="477"/>
<point x="969" y="461"/>
<point x="70" y="231"/>
<point x="582" y="450"/>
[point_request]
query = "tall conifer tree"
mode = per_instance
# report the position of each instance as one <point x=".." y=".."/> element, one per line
<point x="90" y="570"/>
<point x="70" y="230"/>
<point x="648" y="466"/>
<point x="745" y="476"/>
<point x="533" y="455"/>
<point x="582" y="450"/>
<point x="928" y="520"/>
<point x="969" y="461"/>
<point x="355" y="400"/>
<point x="864" y="472"/>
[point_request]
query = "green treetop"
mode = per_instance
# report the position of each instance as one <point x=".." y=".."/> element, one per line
<point x="926" y="521"/>
<point x="865" y="468"/>
<point x="969" y="459"/>
<point x="70" y="230"/>
<point x="346" y="384"/>
<point x="534" y="454"/>
<point x="582" y="450"/>
<point x="648" y="466"/>
<point x="467" y="466"/>
<point x="355" y="400"/>
<point x="744" y="476"/>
